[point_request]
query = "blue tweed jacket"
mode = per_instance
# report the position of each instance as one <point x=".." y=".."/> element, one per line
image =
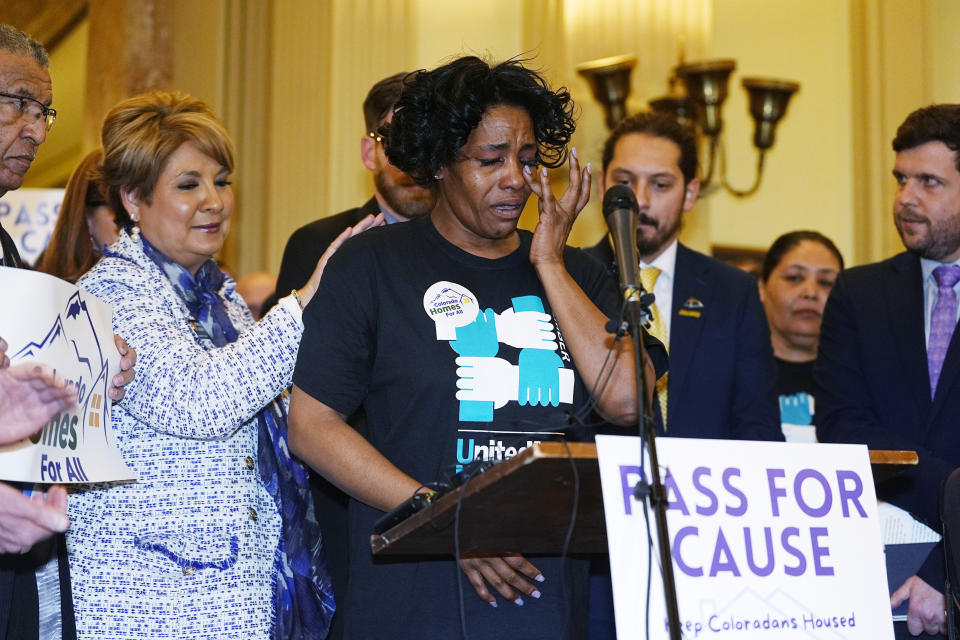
<point x="188" y="550"/>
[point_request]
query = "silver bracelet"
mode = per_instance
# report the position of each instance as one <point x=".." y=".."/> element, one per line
<point x="296" y="296"/>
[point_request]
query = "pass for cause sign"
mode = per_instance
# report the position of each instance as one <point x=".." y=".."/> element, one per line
<point x="768" y="540"/>
<point x="44" y="319"/>
<point x="29" y="216"/>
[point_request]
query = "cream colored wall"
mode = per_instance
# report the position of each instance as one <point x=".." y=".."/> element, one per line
<point x="63" y="148"/>
<point x="325" y="57"/>
<point x="199" y="62"/>
<point x="943" y="21"/>
<point x="808" y="178"/>
<point x="447" y="30"/>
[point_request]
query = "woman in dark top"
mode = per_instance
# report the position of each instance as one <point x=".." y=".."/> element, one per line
<point x="455" y="331"/>
<point x="798" y="272"/>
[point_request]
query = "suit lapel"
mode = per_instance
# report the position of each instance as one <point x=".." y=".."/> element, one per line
<point x="903" y="291"/>
<point x="11" y="258"/>
<point x="690" y="280"/>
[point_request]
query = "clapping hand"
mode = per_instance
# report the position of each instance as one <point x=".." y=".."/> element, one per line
<point x="25" y="521"/>
<point x="30" y="394"/>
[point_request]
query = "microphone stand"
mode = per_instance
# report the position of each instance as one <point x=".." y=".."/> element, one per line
<point x="637" y="315"/>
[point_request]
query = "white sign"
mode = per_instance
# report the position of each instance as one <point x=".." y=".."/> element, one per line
<point x="44" y="319"/>
<point x="768" y="540"/>
<point x="29" y="215"/>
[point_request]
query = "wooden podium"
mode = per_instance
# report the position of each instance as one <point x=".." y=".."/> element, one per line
<point x="523" y="505"/>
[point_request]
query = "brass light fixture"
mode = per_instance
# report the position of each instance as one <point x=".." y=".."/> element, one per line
<point x="701" y="104"/>
<point x="706" y="84"/>
<point x="768" y="103"/>
<point x="609" y="80"/>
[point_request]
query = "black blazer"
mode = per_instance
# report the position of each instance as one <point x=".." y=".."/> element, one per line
<point x="308" y="243"/>
<point x="872" y="386"/>
<point x="723" y="376"/>
<point x="11" y="257"/>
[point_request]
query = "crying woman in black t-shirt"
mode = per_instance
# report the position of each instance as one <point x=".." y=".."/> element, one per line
<point x="456" y="333"/>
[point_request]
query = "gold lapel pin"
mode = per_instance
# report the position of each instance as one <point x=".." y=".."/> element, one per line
<point x="691" y="308"/>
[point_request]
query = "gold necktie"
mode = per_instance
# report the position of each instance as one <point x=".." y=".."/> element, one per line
<point x="648" y="278"/>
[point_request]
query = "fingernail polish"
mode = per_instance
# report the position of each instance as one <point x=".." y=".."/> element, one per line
<point x="536" y="594"/>
<point x="527" y="169"/>
<point x="518" y="602"/>
<point x="494" y="604"/>
<point x="574" y="152"/>
<point x="539" y="577"/>
<point x="589" y="168"/>
<point x="543" y="172"/>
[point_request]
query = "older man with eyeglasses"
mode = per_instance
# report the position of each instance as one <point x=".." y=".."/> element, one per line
<point x="35" y="600"/>
<point x="25" y="114"/>
<point x="27" y="611"/>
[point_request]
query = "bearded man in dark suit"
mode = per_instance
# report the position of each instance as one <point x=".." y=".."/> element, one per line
<point x="722" y="378"/>
<point x="888" y="369"/>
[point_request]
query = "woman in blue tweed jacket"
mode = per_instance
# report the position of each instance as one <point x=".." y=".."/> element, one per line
<point x="216" y="538"/>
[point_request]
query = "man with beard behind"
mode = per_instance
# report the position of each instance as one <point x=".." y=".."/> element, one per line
<point x="888" y="368"/>
<point x="722" y="378"/>
<point x="394" y="193"/>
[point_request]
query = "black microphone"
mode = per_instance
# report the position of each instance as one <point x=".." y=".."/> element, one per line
<point x="621" y="211"/>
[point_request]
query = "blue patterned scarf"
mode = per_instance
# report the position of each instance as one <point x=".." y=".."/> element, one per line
<point x="303" y="591"/>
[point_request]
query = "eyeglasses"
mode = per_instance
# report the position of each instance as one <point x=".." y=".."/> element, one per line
<point x="29" y="109"/>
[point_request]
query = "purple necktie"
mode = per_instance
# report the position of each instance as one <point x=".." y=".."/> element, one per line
<point x="942" y="321"/>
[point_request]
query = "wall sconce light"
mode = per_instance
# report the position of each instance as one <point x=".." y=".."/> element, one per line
<point x="706" y="84"/>
<point x="609" y="80"/>
<point x="701" y="105"/>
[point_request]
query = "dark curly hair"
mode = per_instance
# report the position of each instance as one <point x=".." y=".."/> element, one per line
<point x="438" y="110"/>
<point x="936" y="123"/>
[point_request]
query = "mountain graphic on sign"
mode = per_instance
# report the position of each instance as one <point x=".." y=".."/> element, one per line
<point x="73" y="339"/>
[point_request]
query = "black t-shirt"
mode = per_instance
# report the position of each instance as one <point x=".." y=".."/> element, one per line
<point x="795" y="388"/>
<point x="437" y="345"/>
